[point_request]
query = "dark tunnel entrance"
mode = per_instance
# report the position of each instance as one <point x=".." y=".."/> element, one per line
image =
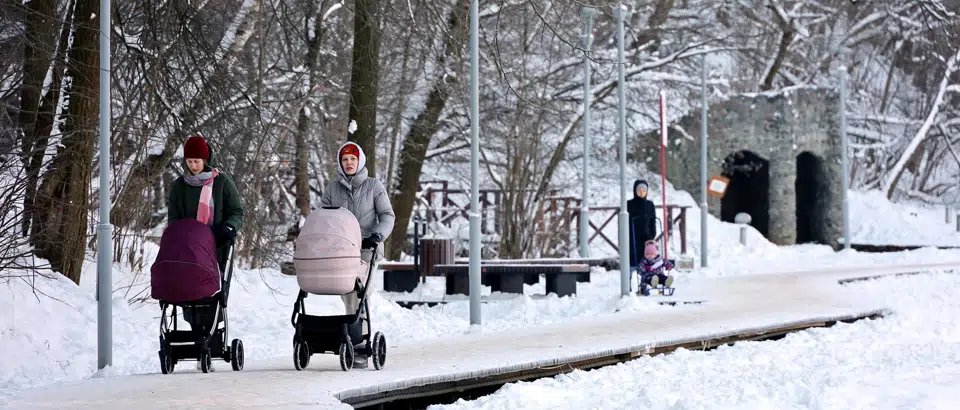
<point x="811" y="189"/>
<point x="748" y="191"/>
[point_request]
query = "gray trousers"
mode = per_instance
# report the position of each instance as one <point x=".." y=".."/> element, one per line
<point x="351" y="302"/>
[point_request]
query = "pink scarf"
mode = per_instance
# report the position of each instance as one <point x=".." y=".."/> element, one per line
<point x="204" y="180"/>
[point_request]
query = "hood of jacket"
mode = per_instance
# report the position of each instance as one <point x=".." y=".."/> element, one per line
<point x="638" y="183"/>
<point x="361" y="174"/>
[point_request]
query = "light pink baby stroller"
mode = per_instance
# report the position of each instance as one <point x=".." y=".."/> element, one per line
<point x="327" y="262"/>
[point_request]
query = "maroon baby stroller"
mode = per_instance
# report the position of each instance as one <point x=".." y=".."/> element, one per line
<point x="186" y="274"/>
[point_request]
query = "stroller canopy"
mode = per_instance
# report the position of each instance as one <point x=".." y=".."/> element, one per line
<point x="186" y="267"/>
<point x="327" y="257"/>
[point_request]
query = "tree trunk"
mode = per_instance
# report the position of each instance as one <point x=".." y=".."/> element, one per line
<point x="510" y="246"/>
<point x="61" y="207"/>
<point x="301" y="176"/>
<point x="302" y="159"/>
<point x="405" y="86"/>
<point x="518" y="177"/>
<point x="363" y="79"/>
<point x="786" y="39"/>
<point x="410" y="159"/>
<point x="520" y="183"/>
<point x="38" y="51"/>
<point x="885" y="99"/>
<point x="655" y="22"/>
<point x="45" y="119"/>
<point x="935" y="157"/>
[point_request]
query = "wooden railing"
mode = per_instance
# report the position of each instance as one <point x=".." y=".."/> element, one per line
<point x="677" y="214"/>
<point x="558" y="218"/>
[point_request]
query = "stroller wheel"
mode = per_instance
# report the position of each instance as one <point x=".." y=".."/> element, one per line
<point x="346" y="355"/>
<point x="301" y="354"/>
<point x="166" y="362"/>
<point x="236" y="355"/>
<point x="205" y="361"/>
<point x="379" y="351"/>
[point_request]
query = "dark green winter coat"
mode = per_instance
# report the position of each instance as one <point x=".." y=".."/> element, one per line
<point x="227" y="206"/>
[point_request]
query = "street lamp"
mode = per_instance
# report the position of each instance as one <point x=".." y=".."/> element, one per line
<point x="104" y="228"/>
<point x="588" y="14"/>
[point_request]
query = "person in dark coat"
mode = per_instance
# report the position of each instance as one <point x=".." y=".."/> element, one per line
<point x="226" y="216"/>
<point x="208" y="195"/>
<point x="642" y="220"/>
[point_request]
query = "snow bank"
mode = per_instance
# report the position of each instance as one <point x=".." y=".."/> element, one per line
<point x="910" y="359"/>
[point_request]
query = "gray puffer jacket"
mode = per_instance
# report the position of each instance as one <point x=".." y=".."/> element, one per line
<point x="363" y="196"/>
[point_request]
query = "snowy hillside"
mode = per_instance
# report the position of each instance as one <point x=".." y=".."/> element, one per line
<point x="877" y="221"/>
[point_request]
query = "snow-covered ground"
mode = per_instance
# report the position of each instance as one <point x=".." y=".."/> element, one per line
<point x="908" y="360"/>
<point x="48" y="326"/>
<point x="908" y="224"/>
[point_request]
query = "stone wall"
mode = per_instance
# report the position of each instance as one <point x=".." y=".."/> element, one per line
<point x="777" y="127"/>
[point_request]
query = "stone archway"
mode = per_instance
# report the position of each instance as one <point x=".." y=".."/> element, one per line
<point x="770" y="129"/>
<point x="812" y="193"/>
<point x="749" y="189"/>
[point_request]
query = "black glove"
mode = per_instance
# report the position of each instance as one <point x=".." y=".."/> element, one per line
<point x="371" y="241"/>
<point x="224" y="234"/>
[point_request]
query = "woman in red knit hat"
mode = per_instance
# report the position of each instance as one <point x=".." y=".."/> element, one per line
<point x="208" y="195"/>
<point x="367" y="199"/>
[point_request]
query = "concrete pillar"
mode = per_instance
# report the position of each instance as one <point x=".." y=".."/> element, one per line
<point x="783" y="200"/>
<point x="833" y="200"/>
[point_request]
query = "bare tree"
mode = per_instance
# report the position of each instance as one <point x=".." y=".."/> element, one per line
<point x="311" y="60"/>
<point x="364" y="79"/>
<point x="36" y="105"/>
<point x="60" y="213"/>
<point x="939" y="99"/>
<point x="425" y="126"/>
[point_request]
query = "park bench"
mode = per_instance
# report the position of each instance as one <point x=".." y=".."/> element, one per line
<point x="607" y="263"/>
<point x="510" y="278"/>
<point x="404" y="276"/>
<point x="399" y="276"/>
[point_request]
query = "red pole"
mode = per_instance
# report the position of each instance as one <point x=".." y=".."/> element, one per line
<point x="663" y="167"/>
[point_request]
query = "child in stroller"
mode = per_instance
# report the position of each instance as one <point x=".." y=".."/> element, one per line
<point x="327" y="260"/>
<point x="187" y="274"/>
<point x="651" y="271"/>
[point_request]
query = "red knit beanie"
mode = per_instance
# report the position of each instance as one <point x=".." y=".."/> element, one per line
<point x="196" y="147"/>
<point x="350" y="149"/>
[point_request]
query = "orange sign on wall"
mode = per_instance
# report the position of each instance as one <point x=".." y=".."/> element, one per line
<point x="717" y="186"/>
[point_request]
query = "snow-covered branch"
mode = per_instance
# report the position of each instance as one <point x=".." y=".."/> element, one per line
<point x="894" y="175"/>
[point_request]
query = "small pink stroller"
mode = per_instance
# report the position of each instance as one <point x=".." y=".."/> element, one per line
<point x="327" y="262"/>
